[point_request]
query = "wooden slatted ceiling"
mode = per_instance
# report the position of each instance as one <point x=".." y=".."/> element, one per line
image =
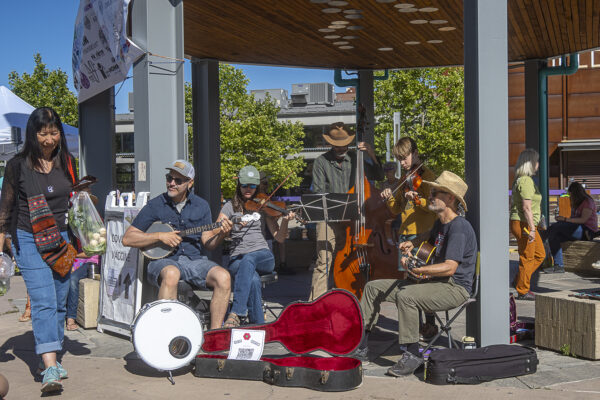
<point x="286" y="32"/>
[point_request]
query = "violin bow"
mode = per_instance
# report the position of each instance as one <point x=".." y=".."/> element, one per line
<point x="265" y="201"/>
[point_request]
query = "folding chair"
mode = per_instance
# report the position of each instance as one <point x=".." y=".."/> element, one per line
<point x="446" y="327"/>
<point x="265" y="280"/>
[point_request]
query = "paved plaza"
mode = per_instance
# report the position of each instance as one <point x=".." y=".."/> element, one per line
<point x="104" y="366"/>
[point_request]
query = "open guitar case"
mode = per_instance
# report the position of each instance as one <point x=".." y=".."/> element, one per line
<point x="332" y="323"/>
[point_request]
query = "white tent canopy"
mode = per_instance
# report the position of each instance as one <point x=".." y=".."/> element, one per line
<point x="14" y="111"/>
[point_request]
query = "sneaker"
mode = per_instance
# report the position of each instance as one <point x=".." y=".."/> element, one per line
<point x="407" y="364"/>
<point x="558" y="269"/>
<point x="62" y="373"/>
<point x="527" y="296"/>
<point x="428" y="331"/>
<point x="361" y="354"/>
<point x="51" y="381"/>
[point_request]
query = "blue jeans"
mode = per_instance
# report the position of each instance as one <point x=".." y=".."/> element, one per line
<point x="247" y="289"/>
<point x="559" y="232"/>
<point x="47" y="291"/>
<point x="73" y="297"/>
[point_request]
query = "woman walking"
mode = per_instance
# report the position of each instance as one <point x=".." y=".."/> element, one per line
<point x="43" y="166"/>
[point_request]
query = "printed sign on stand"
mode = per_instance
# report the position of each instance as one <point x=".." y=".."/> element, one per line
<point x="120" y="286"/>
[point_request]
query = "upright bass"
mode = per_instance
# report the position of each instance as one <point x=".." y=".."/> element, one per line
<point x="367" y="253"/>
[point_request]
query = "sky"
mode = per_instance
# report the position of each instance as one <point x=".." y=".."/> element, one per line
<point x="46" y="27"/>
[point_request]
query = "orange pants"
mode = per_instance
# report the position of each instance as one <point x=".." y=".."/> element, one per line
<point x="531" y="255"/>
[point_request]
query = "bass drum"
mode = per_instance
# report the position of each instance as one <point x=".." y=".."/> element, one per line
<point x="167" y="334"/>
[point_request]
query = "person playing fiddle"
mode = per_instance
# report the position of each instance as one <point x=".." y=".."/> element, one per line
<point x="410" y="202"/>
<point x="335" y="172"/>
<point x="250" y="254"/>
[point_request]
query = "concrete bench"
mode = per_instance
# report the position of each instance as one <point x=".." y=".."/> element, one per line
<point x="579" y="256"/>
<point x="564" y="323"/>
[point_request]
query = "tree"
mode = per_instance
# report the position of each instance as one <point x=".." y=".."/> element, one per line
<point x="45" y="88"/>
<point x="251" y="134"/>
<point x="431" y="106"/>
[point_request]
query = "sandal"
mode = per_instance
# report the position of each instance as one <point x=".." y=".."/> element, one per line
<point x="72" y="325"/>
<point x="26" y="316"/>
<point x="232" y="321"/>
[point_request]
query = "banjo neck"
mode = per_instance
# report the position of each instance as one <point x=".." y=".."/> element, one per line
<point x="199" y="229"/>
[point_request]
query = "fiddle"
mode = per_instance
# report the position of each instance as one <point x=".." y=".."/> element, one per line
<point x="276" y="209"/>
<point x="411" y="183"/>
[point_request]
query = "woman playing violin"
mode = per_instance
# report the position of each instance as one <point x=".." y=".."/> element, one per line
<point x="410" y="201"/>
<point x="250" y="255"/>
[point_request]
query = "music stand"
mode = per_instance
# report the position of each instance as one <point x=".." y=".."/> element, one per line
<point x="329" y="207"/>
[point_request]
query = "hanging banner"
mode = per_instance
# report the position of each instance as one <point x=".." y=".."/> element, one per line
<point x="102" y="53"/>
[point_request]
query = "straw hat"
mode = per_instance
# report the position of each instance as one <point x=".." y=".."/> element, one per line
<point x="338" y="136"/>
<point x="451" y="183"/>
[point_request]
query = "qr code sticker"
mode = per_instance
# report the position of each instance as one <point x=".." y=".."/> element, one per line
<point x="245" y="354"/>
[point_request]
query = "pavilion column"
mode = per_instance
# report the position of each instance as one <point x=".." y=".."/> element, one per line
<point x="207" y="132"/>
<point x="532" y="109"/>
<point x="97" y="144"/>
<point x="486" y="161"/>
<point x="158" y="87"/>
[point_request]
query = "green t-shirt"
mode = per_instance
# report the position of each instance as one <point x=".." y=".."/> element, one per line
<point x="525" y="189"/>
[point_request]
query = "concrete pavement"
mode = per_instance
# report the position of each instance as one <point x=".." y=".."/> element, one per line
<point x="104" y="366"/>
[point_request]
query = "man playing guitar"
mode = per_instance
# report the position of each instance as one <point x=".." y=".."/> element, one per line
<point x="449" y="277"/>
<point x="182" y="209"/>
<point x="410" y="202"/>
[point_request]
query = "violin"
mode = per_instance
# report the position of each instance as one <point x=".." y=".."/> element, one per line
<point x="411" y="183"/>
<point x="276" y="209"/>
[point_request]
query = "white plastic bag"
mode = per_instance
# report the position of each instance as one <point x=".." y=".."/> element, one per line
<point x="7" y="269"/>
<point x="86" y="224"/>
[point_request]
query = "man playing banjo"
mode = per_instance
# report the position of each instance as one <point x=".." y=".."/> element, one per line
<point x="182" y="209"/>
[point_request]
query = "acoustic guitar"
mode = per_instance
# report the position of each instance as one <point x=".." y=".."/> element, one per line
<point x="160" y="250"/>
<point x="423" y="256"/>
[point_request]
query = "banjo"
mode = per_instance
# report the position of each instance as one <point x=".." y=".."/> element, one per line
<point x="160" y="250"/>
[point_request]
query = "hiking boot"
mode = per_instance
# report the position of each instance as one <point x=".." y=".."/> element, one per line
<point x="361" y="354"/>
<point x="51" y="381"/>
<point x="62" y="373"/>
<point x="406" y="365"/>
<point x="527" y="296"/>
<point x="428" y="331"/>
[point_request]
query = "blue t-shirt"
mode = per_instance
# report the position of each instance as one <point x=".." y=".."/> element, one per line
<point x="456" y="241"/>
<point x="194" y="213"/>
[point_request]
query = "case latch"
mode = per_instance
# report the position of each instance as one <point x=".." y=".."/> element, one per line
<point x="220" y="365"/>
<point x="324" y="377"/>
<point x="289" y="373"/>
<point x="270" y="376"/>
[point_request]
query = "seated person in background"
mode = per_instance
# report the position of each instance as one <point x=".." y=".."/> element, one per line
<point x="250" y="254"/>
<point x="182" y="209"/>
<point x="449" y="278"/>
<point x="390" y="182"/>
<point x="581" y="225"/>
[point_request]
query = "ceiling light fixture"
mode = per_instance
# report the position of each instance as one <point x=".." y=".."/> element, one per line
<point x="412" y="43"/>
<point x="426" y="9"/>
<point x="438" y="21"/>
<point x="446" y="28"/>
<point x="404" y="5"/>
<point x="343" y="42"/>
<point x="407" y="10"/>
<point x="435" y="41"/>
<point x="352" y="11"/>
<point x="355" y="28"/>
<point x="326" y="30"/>
<point x="336" y="3"/>
<point x="331" y="37"/>
<point x="331" y="10"/>
<point x="345" y="47"/>
<point x="349" y="37"/>
<point x="340" y="23"/>
<point x="385" y="49"/>
<point x="353" y="16"/>
<point x="418" y="21"/>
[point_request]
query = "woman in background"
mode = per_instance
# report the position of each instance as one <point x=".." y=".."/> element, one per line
<point x="581" y="225"/>
<point x="525" y="214"/>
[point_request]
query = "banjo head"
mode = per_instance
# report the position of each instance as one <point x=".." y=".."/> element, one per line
<point x="167" y="334"/>
<point x="159" y="250"/>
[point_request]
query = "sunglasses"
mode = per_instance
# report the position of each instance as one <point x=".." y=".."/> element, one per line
<point x="178" y="181"/>
<point x="248" y="185"/>
<point x="435" y="192"/>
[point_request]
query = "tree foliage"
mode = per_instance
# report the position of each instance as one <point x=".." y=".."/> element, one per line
<point x="431" y="106"/>
<point x="46" y="88"/>
<point x="251" y="134"/>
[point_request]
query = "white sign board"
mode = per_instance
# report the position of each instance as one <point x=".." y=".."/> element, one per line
<point x="102" y="53"/>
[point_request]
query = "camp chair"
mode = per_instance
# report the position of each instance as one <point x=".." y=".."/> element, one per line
<point x="446" y="327"/>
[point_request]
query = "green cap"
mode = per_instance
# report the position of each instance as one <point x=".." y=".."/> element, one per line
<point x="249" y="176"/>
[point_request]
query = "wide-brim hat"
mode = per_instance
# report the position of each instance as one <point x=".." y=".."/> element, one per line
<point x="338" y="137"/>
<point x="451" y="183"/>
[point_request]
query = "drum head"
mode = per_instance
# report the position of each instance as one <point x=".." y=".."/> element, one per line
<point x="167" y="335"/>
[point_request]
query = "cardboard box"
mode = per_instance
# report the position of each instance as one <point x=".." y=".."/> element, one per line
<point x="563" y="322"/>
<point x="87" y="308"/>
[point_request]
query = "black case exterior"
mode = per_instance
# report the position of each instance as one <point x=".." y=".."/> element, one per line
<point x="451" y="366"/>
<point x="322" y="380"/>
